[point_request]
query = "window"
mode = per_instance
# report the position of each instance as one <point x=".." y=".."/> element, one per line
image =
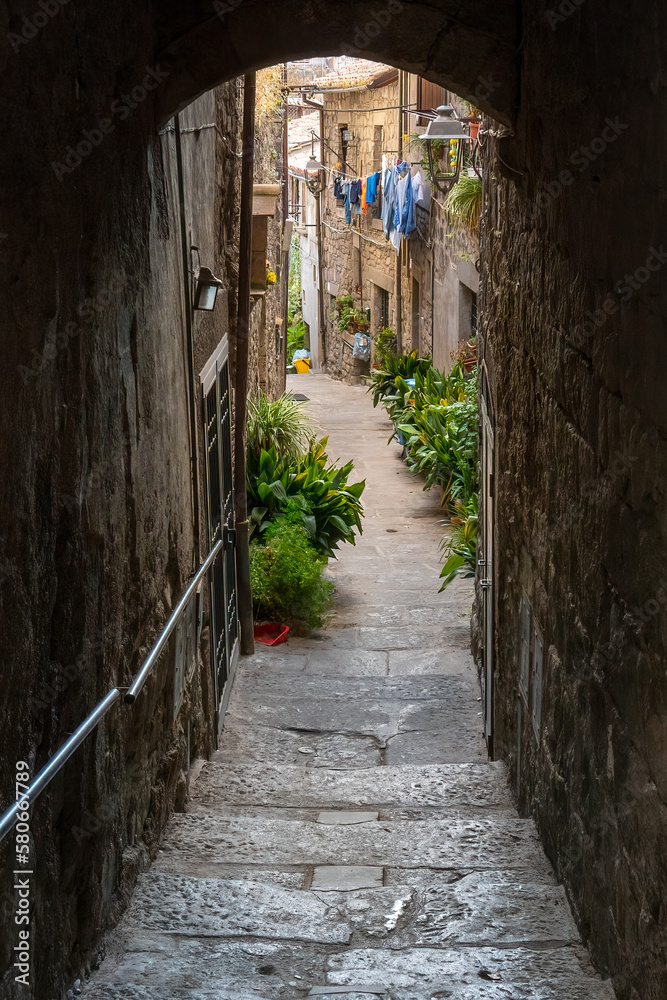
<point x="344" y="140"/>
<point x="429" y="97"/>
<point x="473" y="314"/>
<point x="467" y="312"/>
<point x="384" y="307"/>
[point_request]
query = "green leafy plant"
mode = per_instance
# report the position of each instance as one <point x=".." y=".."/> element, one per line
<point x="295" y="338"/>
<point x="460" y="546"/>
<point x="464" y="201"/>
<point x="294" y="281"/>
<point x="348" y="314"/>
<point x="383" y="380"/>
<point x="286" y="578"/>
<point x="306" y="487"/>
<point x="281" y="424"/>
<point x="385" y="345"/>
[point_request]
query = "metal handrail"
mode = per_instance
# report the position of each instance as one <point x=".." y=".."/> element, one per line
<point x="150" y="661"/>
<point x="59" y="759"/>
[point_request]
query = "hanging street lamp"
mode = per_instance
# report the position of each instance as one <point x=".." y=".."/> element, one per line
<point x="313" y="171"/>
<point x="449" y="132"/>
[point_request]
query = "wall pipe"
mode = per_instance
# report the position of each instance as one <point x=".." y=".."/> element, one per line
<point x="247" y="643"/>
<point x="399" y="255"/>
<point x="187" y="290"/>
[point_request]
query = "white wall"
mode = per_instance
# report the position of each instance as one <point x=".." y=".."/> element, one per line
<point x="309" y="271"/>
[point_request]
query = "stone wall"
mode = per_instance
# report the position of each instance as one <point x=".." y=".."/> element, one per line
<point x="574" y="306"/>
<point x="268" y="313"/>
<point x="96" y="454"/>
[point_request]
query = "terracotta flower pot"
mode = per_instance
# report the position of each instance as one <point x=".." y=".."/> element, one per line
<point x="474" y="129"/>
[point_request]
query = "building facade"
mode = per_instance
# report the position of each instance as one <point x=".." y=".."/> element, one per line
<point x="426" y="293"/>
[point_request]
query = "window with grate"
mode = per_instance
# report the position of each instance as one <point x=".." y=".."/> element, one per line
<point x="473" y="315"/>
<point x="384" y="307"/>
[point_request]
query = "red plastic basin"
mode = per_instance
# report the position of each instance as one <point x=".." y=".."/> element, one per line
<point x="271" y="635"/>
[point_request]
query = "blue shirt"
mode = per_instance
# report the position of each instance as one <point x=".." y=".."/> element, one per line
<point x="371" y="187"/>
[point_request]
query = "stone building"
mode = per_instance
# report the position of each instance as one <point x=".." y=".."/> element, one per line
<point x="438" y="274"/>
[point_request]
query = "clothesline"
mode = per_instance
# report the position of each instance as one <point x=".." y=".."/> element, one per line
<point x="393" y="187"/>
<point x="342" y="232"/>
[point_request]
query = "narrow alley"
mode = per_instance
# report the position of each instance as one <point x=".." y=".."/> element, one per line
<point x="350" y="835"/>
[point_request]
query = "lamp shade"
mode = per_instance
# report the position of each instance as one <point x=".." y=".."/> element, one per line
<point x="444" y="126"/>
<point x="206" y="289"/>
<point x="311" y="173"/>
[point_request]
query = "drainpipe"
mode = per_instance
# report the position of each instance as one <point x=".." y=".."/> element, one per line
<point x="187" y="287"/>
<point x="285" y="252"/>
<point x="241" y="372"/>
<point x="321" y="325"/>
<point x="399" y="301"/>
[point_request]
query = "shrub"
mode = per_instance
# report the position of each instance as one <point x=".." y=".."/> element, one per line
<point x="460" y="547"/>
<point x="464" y="201"/>
<point x="286" y="577"/>
<point x="295" y="338"/>
<point x="281" y="425"/>
<point x="383" y="380"/>
<point x="385" y="346"/>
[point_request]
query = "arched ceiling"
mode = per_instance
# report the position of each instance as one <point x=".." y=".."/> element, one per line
<point x="468" y="46"/>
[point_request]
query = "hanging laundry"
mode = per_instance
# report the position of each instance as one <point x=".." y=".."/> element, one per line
<point x="338" y="189"/>
<point x="357" y="203"/>
<point x="364" y="210"/>
<point x="404" y="217"/>
<point x="418" y="187"/>
<point x="347" y="189"/>
<point x="389" y="178"/>
<point x="354" y="192"/>
<point x="371" y="187"/>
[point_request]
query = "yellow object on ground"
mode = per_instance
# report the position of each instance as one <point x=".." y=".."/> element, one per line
<point x="302" y="366"/>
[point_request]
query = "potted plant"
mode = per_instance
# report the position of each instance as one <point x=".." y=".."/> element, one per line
<point x="349" y="317"/>
<point x="466" y="353"/>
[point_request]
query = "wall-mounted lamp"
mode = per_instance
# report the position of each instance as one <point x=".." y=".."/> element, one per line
<point x="445" y="128"/>
<point x="206" y="289"/>
<point x="312" y="172"/>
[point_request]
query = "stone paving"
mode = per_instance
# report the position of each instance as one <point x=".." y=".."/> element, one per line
<point x="350" y="836"/>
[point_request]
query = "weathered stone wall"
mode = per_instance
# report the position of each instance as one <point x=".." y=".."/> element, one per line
<point x="267" y="335"/>
<point x="96" y="488"/>
<point x="574" y="310"/>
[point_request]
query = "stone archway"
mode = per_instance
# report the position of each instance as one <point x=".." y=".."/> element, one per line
<point x="468" y="48"/>
<point x="574" y="349"/>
